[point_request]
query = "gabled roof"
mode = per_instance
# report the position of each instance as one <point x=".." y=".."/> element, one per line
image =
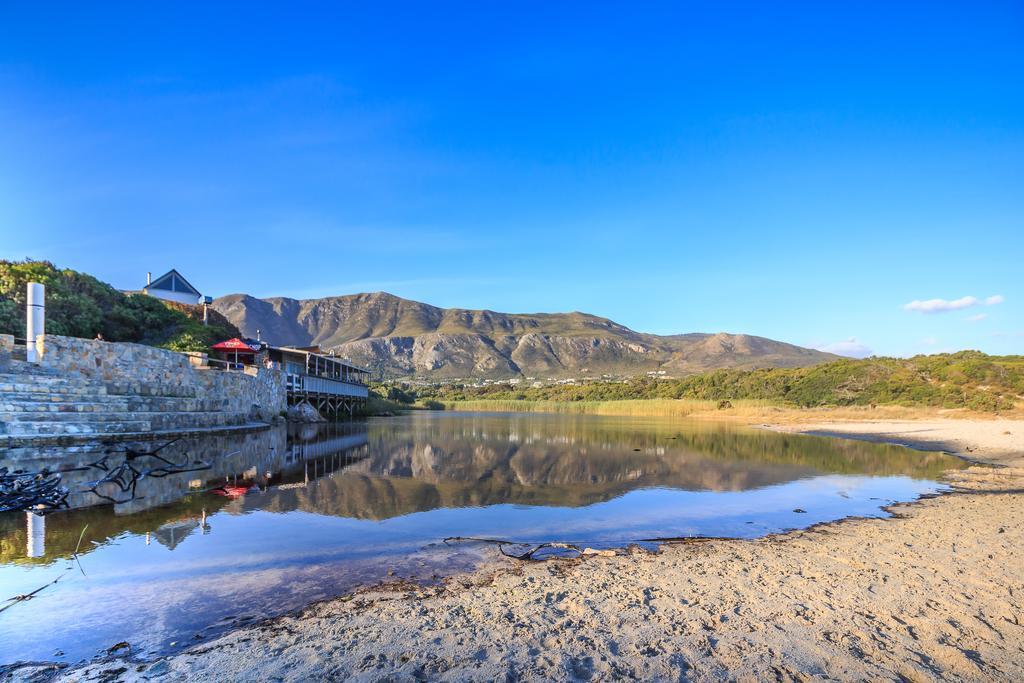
<point x="167" y="276"/>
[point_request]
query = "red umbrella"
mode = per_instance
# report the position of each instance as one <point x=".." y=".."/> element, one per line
<point x="238" y="346"/>
<point x="232" y="491"/>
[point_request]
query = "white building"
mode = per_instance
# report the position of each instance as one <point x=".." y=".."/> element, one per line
<point x="171" y="286"/>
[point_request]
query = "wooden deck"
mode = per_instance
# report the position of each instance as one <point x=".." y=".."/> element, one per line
<point x="329" y="396"/>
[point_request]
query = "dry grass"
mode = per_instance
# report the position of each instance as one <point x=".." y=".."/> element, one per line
<point x="745" y="410"/>
<point x="639" y="407"/>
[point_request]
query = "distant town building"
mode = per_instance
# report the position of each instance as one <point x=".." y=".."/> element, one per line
<point x="172" y="286"/>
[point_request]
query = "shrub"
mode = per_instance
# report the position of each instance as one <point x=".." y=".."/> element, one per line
<point x="968" y="379"/>
<point x="79" y="305"/>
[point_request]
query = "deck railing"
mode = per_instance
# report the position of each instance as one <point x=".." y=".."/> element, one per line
<point x="310" y="384"/>
<point x="201" y="359"/>
<point x="296" y="382"/>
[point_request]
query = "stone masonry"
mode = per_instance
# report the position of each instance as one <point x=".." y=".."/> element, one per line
<point x="6" y="350"/>
<point x="93" y="389"/>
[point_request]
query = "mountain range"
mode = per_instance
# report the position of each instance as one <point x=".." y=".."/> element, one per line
<point x="397" y="337"/>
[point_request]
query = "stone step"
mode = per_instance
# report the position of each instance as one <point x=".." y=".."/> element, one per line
<point x="27" y="402"/>
<point x="75" y="428"/>
<point x="46" y="385"/>
<point x="65" y="417"/>
<point x="197" y="418"/>
<point x="19" y="403"/>
<point x="21" y="424"/>
<point x="20" y="366"/>
<point x="150" y="389"/>
<point x="32" y="372"/>
<point x="37" y="440"/>
<point x="80" y="386"/>
<point x="44" y="398"/>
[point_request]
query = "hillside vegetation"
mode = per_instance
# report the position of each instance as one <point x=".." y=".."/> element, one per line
<point x="79" y="305"/>
<point x="968" y="379"/>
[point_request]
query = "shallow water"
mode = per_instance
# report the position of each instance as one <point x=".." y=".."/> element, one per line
<point x="309" y="515"/>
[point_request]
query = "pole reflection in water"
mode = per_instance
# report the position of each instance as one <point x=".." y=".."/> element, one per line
<point x="36" y="546"/>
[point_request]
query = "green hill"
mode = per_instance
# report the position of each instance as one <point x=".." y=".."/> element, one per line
<point x="967" y="379"/>
<point x="79" y="305"/>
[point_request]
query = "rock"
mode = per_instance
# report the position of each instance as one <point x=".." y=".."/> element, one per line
<point x="159" y="668"/>
<point x="304" y="412"/>
<point x="30" y="672"/>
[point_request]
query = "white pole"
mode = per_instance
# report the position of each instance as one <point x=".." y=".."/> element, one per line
<point x="35" y="317"/>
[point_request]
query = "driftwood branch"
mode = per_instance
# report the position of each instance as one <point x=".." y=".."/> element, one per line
<point x="533" y="549"/>
<point x="77" y="546"/>
<point x="11" y="602"/>
<point x="125" y="476"/>
<point x="531" y="552"/>
<point x="38" y="491"/>
<point x="43" y="491"/>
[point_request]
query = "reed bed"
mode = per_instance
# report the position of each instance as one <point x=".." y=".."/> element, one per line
<point x="747" y="410"/>
<point x="630" y="407"/>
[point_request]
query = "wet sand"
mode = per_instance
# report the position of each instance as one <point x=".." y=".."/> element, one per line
<point x="934" y="593"/>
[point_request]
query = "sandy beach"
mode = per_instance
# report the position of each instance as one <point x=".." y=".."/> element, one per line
<point x="511" y="342"/>
<point x="935" y="592"/>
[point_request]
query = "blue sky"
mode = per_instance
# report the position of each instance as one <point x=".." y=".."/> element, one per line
<point x="798" y="171"/>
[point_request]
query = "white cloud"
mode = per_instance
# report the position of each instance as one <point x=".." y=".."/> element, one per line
<point x="977" y="317"/>
<point x="946" y="305"/>
<point x="929" y="341"/>
<point x="940" y="305"/>
<point x="848" y="347"/>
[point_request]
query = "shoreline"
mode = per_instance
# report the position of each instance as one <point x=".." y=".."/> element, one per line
<point x="925" y="594"/>
<point x="994" y="442"/>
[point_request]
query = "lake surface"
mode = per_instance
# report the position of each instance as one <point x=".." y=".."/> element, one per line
<point x="281" y="519"/>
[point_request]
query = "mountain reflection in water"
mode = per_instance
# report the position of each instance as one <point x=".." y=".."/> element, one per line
<point x="285" y="518"/>
<point x="427" y="462"/>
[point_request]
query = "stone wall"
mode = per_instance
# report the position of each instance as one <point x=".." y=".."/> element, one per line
<point x="147" y="370"/>
<point x="6" y="348"/>
<point x="252" y="454"/>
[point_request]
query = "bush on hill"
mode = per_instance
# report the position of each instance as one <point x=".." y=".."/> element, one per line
<point x="79" y="305"/>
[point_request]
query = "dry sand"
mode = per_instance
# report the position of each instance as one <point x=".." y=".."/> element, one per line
<point x="934" y="593"/>
<point x="991" y="440"/>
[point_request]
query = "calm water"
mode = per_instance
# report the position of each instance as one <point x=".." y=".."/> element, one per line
<point x="299" y="517"/>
